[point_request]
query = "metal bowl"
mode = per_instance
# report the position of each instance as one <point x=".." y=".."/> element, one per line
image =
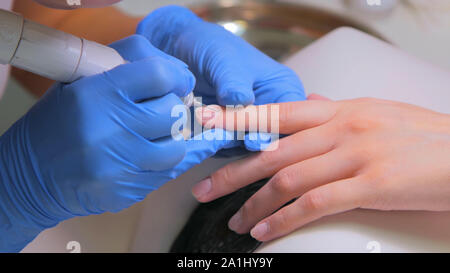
<point x="278" y="29"/>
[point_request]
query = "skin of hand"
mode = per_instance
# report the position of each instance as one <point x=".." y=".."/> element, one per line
<point x="114" y="25"/>
<point x="361" y="153"/>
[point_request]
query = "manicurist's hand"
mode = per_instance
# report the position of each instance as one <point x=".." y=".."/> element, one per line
<point x="99" y="144"/>
<point x="229" y="71"/>
<point x="361" y="153"/>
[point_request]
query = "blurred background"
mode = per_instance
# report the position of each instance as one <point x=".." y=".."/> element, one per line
<point x="420" y="27"/>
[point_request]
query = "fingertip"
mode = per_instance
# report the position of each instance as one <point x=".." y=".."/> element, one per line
<point x="201" y="190"/>
<point x="178" y="77"/>
<point x="260" y="231"/>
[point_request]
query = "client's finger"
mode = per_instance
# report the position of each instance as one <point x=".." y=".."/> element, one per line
<point x="291" y="149"/>
<point x="284" y="118"/>
<point x="292" y="182"/>
<point x="329" y="199"/>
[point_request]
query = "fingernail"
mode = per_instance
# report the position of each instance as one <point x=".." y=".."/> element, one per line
<point x="205" y="113"/>
<point x="235" y="221"/>
<point x="259" y="231"/>
<point x="208" y="114"/>
<point x="202" y="188"/>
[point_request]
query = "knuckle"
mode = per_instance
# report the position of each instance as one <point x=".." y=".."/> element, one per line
<point x="224" y="177"/>
<point x="313" y="200"/>
<point x="376" y="177"/>
<point x="268" y="161"/>
<point x="285" y="114"/>
<point x="282" y="183"/>
<point x="266" y="158"/>
<point x="139" y="43"/>
<point x="359" y="151"/>
<point x="358" y="123"/>
<point x="360" y="116"/>
<point x="281" y="221"/>
<point x="365" y="100"/>
<point x="248" y="208"/>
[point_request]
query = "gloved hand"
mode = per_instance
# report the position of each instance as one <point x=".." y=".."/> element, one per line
<point x="229" y="71"/>
<point x="99" y="144"/>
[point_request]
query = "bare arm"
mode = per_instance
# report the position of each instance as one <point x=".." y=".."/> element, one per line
<point x="103" y="25"/>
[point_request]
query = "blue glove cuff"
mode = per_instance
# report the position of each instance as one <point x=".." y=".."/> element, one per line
<point x="21" y="216"/>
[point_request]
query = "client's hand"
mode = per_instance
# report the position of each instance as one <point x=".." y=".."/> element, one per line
<point x="361" y="153"/>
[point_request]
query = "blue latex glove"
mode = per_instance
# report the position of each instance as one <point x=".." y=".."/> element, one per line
<point x="229" y="71"/>
<point x="99" y="144"/>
